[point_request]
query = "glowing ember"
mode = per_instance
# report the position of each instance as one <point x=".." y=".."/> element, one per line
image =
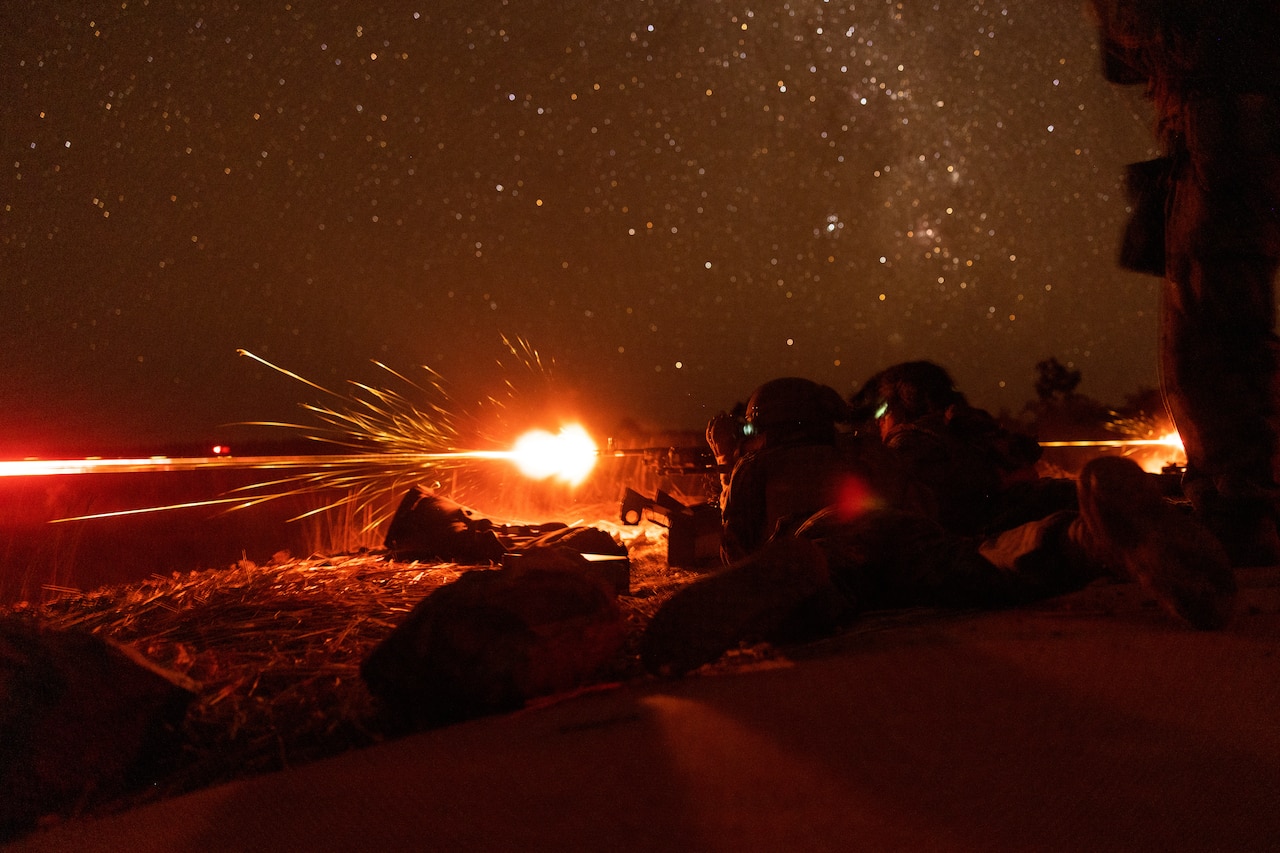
<point x="568" y="456"/>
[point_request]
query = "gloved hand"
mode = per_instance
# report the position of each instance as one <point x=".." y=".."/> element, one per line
<point x="724" y="436"/>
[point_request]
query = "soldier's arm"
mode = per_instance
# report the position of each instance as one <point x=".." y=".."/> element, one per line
<point x="1121" y="50"/>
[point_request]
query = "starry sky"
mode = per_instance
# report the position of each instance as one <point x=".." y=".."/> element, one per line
<point x="671" y="201"/>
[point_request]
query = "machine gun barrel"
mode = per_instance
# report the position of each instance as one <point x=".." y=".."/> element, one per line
<point x="668" y="460"/>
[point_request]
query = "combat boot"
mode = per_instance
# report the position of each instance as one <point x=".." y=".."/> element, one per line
<point x="1246" y="526"/>
<point x="757" y="598"/>
<point x="1126" y="525"/>
<point x="1248" y="534"/>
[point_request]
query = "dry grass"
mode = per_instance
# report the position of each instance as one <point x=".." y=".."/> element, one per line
<point x="276" y="648"/>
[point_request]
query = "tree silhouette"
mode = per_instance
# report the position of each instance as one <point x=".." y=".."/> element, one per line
<point x="1059" y="411"/>
<point x="1055" y="381"/>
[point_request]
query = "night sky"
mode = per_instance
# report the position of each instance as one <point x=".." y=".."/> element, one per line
<point x="671" y="201"/>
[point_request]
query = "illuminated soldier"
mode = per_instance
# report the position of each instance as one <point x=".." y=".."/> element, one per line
<point x="784" y="460"/>
<point x="1207" y="218"/>
<point x="791" y="461"/>
<point x="981" y="476"/>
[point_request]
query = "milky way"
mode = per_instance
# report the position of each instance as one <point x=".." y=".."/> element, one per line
<point x="674" y="201"/>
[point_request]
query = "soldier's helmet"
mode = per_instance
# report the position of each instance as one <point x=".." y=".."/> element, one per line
<point x="919" y="388"/>
<point x="792" y="402"/>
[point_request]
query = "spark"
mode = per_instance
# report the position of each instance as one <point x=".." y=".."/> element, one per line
<point x="398" y="441"/>
<point x="386" y="442"/>
<point x="392" y="442"/>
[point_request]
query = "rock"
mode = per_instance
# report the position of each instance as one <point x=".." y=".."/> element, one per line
<point x="584" y="540"/>
<point x="428" y="528"/>
<point x="494" y="639"/>
<point x="82" y="719"/>
<point x="606" y="556"/>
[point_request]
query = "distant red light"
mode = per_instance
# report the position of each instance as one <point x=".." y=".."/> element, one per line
<point x="221" y="450"/>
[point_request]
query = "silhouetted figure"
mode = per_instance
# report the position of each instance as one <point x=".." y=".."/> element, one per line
<point x="976" y="471"/>
<point x="818" y="530"/>
<point x="785" y="461"/>
<point x="1207" y="219"/>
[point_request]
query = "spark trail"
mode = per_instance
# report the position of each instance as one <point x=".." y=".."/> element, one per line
<point x="383" y="442"/>
<point x="1116" y="442"/>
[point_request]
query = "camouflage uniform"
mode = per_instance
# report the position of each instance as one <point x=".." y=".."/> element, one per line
<point x="818" y="529"/>
<point x="773" y="491"/>
<point x="1213" y="72"/>
<point x="891" y="532"/>
<point x="981" y="477"/>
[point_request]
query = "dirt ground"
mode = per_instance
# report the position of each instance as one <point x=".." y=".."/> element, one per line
<point x="1090" y="721"/>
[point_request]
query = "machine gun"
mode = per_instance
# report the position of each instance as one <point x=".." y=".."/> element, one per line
<point x="669" y="460"/>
